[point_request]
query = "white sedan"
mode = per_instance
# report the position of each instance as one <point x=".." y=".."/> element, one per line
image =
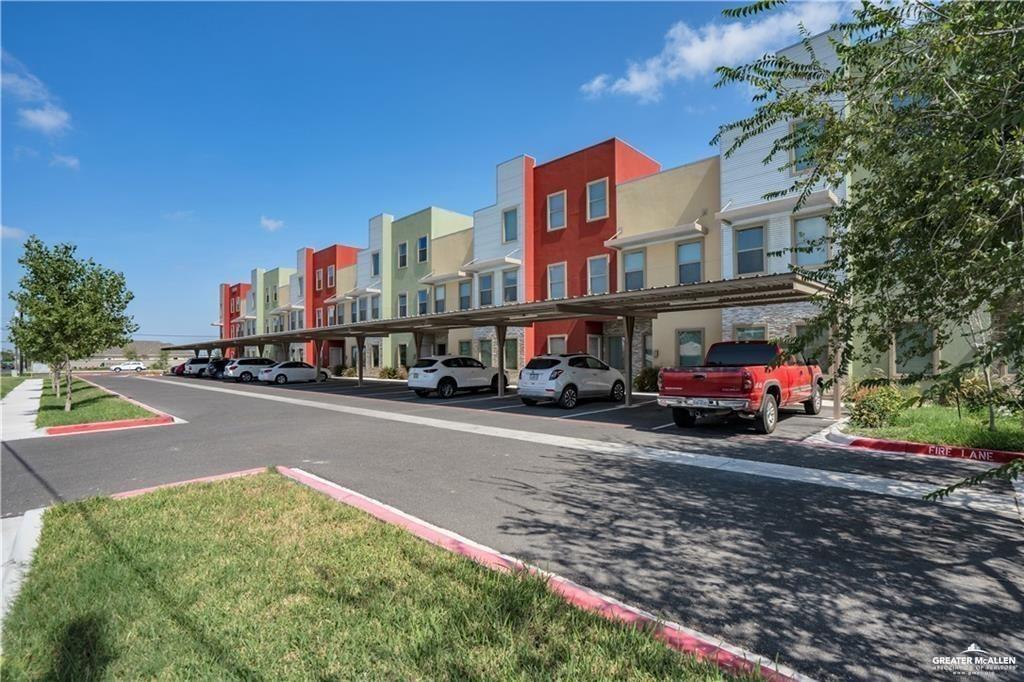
<point x="130" y="366"/>
<point x="289" y="372"/>
<point x="447" y="374"/>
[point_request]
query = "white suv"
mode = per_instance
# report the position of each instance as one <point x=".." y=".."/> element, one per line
<point x="130" y="366"/>
<point x="196" y="366"/>
<point x="447" y="374"/>
<point x="565" y="378"/>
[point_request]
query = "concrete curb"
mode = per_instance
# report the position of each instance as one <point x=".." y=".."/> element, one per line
<point x="17" y="565"/>
<point x="202" y="479"/>
<point x="161" y="418"/>
<point x="674" y="635"/>
<point x="835" y="435"/>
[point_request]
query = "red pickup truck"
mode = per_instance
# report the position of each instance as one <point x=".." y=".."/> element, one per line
<point x="737" y="379"/>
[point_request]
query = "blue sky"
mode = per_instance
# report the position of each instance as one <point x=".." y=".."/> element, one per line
<point x="184" y="144"/>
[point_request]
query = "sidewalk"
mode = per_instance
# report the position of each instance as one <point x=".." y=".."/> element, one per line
<point x="19" y="410"/>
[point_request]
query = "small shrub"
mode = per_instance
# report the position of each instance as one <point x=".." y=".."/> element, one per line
<point x="646" y="380"/>
<point x="875" y="406"/>
<point x="351" y="372"/>
<point x="339" y="370"/>
<point x="389" y="373"/>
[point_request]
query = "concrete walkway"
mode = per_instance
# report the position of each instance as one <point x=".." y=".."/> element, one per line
<point x="19" y="409"/>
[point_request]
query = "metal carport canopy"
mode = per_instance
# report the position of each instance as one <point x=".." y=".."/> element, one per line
<point x="643" y="303"/>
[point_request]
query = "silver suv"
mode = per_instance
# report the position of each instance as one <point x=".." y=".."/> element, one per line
<point x="565" y="378"/>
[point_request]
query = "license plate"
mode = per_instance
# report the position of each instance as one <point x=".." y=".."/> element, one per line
<point x="534" y="375"/>
<point x="700" y="402"/>
<point x="415" y="375"/>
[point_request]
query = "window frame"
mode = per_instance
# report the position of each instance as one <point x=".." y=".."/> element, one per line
<point x="469" y="298"/>
<point x="481" y="290"/>
<point x="565" y="343"/>
<point x="319" y="317"/>
<point x="684" y="242"/>
<point x="703" y="345"/>
<point x="565" y="206"/>
<point x="424" y="304"/>
<point x="607" y="200"/>
<point x="319" y="279"/>
<point x="331" y="270"/>
<point x="329" y="315"/>
<point x="425" y="250"/>
<point x="565" y="280"/>
<point x="403" y="296"/>
<point x="736" y="253"/>
<point x="607" y="273"/>
<point x="504" y="287"/>
<point x="504" y="235"/>
<point x="793" y="254"/>
<point x="793" y="170"/>
<point x="443" y="299"/>
<point x="399" y="256"/>
<point x="737" y="327"/>
<point x="643" y="270"/>
<point x="375" y="263"/>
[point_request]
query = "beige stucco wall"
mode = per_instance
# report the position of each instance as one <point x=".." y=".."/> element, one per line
<point x="674" y="197"/>
<point x="450" y="252"/>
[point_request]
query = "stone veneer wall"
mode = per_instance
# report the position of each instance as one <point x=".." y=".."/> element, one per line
<point x="641" y="327"/>
<point x="487" y="333"/>
<point x="779" y="319"/>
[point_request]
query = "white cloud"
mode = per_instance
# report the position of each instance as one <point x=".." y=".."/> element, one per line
<point x="178" y="216"/>
<point x="71" y="162"/>
<point x="48" y="119"/>
<point x="691" y="53"/>
<point x="11" y="232"/>
<point x="271" y="224"/>
<point x="22" y="152"/>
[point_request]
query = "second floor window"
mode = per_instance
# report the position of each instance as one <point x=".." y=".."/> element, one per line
<point x="319" y="317"/>
<point x="556" y="211"/>
<point x="556" y="281"/>
<point x="597" y="275"/>
<point x="510" y="225"/>
<point x="439" y="299"/>
<point x="319" y="279"/>
<point x="421" y="250"/>
<point x="341" y="313"/>
<point x="487" y="289"/>
<point x="510" y="285"/>
<point x="750" y="251"/>
<point x="403" y="305"/>
<point x="465" y="294"/>
<point x="362" y="308"/>
<point x="421" y="302"/>
<point x="330" y="276"/>
<point x="597" y="199"/>
<point x="809" y="240"/>
<point x="633" y="265"/>
<point x="330" y="316"/>
<point x="375" y="307"/>
<point x="354" y="312"/>
<point x="375" y="264"/>
<point x="688" y="262"/>
<point x="403" y="254"/>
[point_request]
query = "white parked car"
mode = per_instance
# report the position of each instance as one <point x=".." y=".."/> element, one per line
<point x="290" y="372"/>
<point x="130" y="366"/>
<point x="196" y="367"/>
<point x="565" y="378"/>
<point x="246" y="369"/>
<point x="447" y="374"/>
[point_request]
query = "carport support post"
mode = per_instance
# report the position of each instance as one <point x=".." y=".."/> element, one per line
<point x="417" y="342"/>
<point x="317" y="345"/>
<point x="499" y="333"/>
<point x="260" y="348"/>
<point x="360" y="347"/>
<point x="630" y="324"/>
<point x="837" y="391"/>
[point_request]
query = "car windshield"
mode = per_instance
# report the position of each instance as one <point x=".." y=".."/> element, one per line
<point x="426" y="362"/>
<point x="542" y="363"/>
<point x="741" y="354"/>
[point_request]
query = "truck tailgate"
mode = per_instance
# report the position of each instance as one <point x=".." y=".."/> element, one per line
<point x="703" y="381"/>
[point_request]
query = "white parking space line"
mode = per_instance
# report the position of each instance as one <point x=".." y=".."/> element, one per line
<point x="1001" y="504"/>
<point x="607" y="409"/>
<point x="663" y="426"/>
<point x="475" y="400"/>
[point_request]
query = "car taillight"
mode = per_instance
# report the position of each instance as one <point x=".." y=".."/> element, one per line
<point x="661" y="379"/>
<point x="520" y="375"/>
<point x="555" y="374"/>
<point x="232" y="366"/>
<point x="748" y="381"/>
<point x="430" y="371"/>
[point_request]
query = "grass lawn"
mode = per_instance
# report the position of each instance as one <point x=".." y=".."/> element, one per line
<point x="260" y="577"/>
<point x="939" y="425"/>
<point x="89" y="404"/>
<point x="7" y="383"/>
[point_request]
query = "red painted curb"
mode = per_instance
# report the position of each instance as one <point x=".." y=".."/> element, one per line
<point x="202" y="479"/>
<point x="108" y="426"/>
<point x="953" y="451"/>
<point x="672" y="634"/>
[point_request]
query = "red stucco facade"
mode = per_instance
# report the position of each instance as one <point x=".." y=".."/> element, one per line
<point x="231" y="298"/>
<point x="340" y="256"/>
<point x="581" y="238"/>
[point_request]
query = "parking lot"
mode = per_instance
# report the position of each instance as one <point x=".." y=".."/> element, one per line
<point x="822" y="557"/>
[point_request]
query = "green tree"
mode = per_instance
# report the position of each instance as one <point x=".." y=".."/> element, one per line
<point x="130" y="353"/>
<point x="924" y="109"/>
<point x="69" y="308"/>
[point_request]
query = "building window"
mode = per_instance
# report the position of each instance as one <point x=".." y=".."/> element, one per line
<point x="597" y="275"/>
<point x="750" y="251"/>
<point x="465" y="294"/>
<point x="556" y="211"/>
<point x="375" y="355"/>
<point x="691" y="347"/>
<point x="595" y="345"/>
<point x="911" y="356"/>
<point x="633" y="265"/>
<point x="486" y="352"/>
<point x="403" y="305"/>
<point x="466" y="348"/>
<point x="421" y="302"/>
<point x="616" y="351"/>
<point x="403" y="354"/>
<point x="440" y="348"/>
<point x="597" y="199"/>
<point x="330" y="316"/>
<point x="330" y="276"/>
<point x="511" y="354"/>
<point x="510" y="225"/>
<point x="556" y="281"/>
<point x="362" y="309"/>
<point x="510" y="285"/>
<point x="689" y="257"/>
<point x="439" y="295"/>
<point x="375" y="264"/>
<point x="319" y="279"/>
<point x="556" y="344"/>
<point x="487" y="289"/>
<point x="802" y="152"/>
<point x="375" y="307"/>
<point x="421" y="250"/>
<point x="340" y="313"/>
<point x="648" y="346"/>
<point x="403" y="254"/>
<point x="809" y="240"/>
<point x="751" y="333"/>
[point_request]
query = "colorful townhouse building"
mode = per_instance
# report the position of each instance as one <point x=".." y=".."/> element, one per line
<point x="232" y="309"/>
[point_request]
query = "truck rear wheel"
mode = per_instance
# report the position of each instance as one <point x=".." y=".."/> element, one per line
<point x="766" y="419"/>
<point x="683" y="417"/>
<point x="813" y="406"/>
